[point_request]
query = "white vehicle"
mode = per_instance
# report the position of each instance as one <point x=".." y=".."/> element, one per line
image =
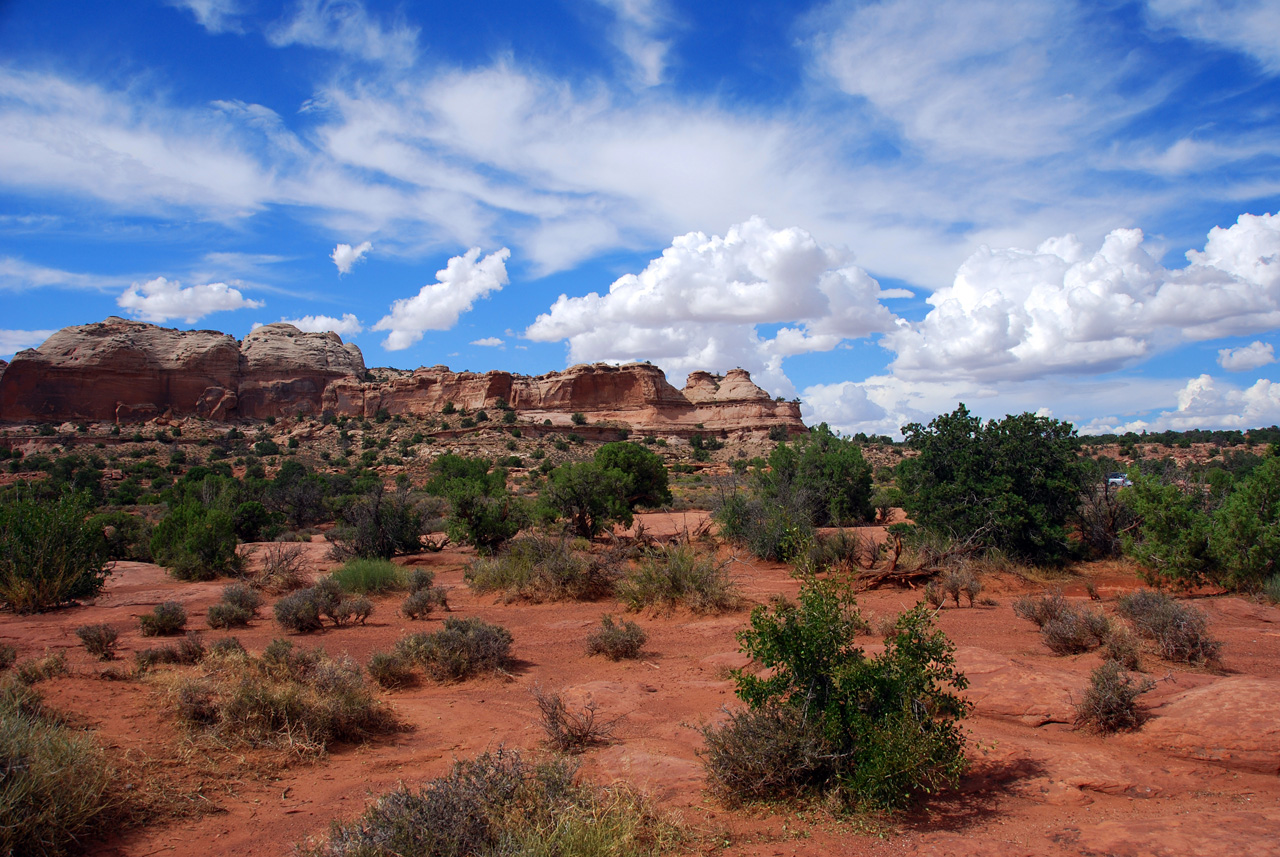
<point x="1118" y="480"/>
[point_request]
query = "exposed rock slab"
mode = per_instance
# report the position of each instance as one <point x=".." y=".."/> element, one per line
<point x="1234" y="722"/>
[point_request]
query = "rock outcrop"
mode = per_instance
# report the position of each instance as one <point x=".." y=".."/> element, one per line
<point x="129" y="371"/>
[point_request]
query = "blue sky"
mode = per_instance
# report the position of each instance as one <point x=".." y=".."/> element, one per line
<point x="882" y="208"/>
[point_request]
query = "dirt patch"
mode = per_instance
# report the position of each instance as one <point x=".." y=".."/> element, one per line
<point x="1199" y="778"/>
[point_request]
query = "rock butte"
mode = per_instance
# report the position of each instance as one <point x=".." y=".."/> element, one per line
<point x="129" y="371"/>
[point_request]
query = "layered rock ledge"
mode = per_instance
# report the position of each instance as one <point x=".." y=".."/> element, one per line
<point x="129" y="371"/>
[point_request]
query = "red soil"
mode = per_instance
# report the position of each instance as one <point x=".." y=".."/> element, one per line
<point x="1199" y="778"/>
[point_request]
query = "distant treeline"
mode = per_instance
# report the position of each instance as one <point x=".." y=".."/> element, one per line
<point x="1184" y="439"/>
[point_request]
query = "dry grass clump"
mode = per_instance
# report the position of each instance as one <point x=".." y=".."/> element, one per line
<point x="567" y="730"/>
<point x="500" y="804"/>
<point x="1179" y="631"/>
<point x="678" y="575"/>
<point x="55" y="782"/>
<point x="390" y="670"/>
<point x="1110" y="703"/>
<point x="540" y="568"/>
<point x="617" y="640"/>
<point x="461" y="649"/>
<point x="298" y="700"/>
<point x="35" y="670"/>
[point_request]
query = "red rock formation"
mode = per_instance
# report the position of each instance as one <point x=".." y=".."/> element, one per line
<point x="127" y="371"/>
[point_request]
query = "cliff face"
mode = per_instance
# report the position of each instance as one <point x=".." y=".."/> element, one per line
<point x="130" y="371"/>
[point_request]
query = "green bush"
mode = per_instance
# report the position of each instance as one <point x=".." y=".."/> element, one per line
<point x="243" y="596"/>
<point x="196" y="542"/>
<point x="49" y="553"/>
<point x="166" y="620"/>
<point x="497" y="804"/>
<point x="1245" y="539"/>
<point x="299" y="612"/>
<point x="189" y="650"/>
<point x="55" y="782"/>
<point x="128" y="536"/>
<point x="99" y="640"/>
<point x="370" y="576"/>
<point x="647" y="479"/>
<point x="888" y="725"/>
<point x="461" y="649"/>
<point x="538" y="568"/>
<point x="1011" y="484"/>
<point x="678" y="575"/>
<point x="223" y="615"/>
<point x="1172" y="541"/>
<point x="590" y="496"/>
<point x="378" y="525"/>
<point x="617" y="640"/>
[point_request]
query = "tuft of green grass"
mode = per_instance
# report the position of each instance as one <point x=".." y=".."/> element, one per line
<point x="370" y="577"/>
<point x="678" y="575"/>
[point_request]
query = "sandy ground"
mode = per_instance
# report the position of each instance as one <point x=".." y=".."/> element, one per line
<point x="1199" y="778"/>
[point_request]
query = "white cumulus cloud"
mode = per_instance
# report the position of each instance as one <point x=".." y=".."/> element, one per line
<point x="13" y="341"/>
<point x="161" y="300"/>
<point x="345" y="256"/>
<point x="1252" y="356"/>
<point x="488" y="342"/>
<point x="437" y="306"/>
<point x="348" y="325"/>
<point x="700" y="304"/>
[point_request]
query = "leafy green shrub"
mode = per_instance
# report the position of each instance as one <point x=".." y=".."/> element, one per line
<point x="303" y="702"/>
<point x="128" y="537"/>
<point x="1180" y="632"/>
<point x="679" y="576"/>
<point x="771" y="530"/>
<point x="1172" y="542"/>
<point x="378" y="525"/>
<point x="495" y="804"/>
<point x="1013" y="484"/>
<point x="167" y="619"/>
<point x="459" y="650"/>
<point x="617" y="640"/>
<point x="888" y="725"/>
<point x="55" y="789"/>
<point x="1245" y="538"/>
<point x="390" y="669"/>
<point x="99" y="640"/>
<point x="1110" y="703"/>
<point x="49" y="553"/>
<point x="538" y="568"/>
<point x="365" y="576"/>
<point x="196" y="542"/>
<point x="589" y="496"/>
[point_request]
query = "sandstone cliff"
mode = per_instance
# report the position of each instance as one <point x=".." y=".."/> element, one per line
<point x="130" y="371"/>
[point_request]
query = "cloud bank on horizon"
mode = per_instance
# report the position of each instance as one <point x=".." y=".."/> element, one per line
<point x="884" y="208"/>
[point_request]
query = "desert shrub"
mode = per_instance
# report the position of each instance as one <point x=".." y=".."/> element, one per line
<point x="889" y="723"/>
<point x="304" y="611"/>
<point x="227" y="647"/>
<point x="282" y="568"/>
<point x="497" y="804"/>
<point x="242" y="596"/>
<point x="128" y="537"/>
<point x="567" y="730"/>
<point x="351" y="610"/>
<point x="55" y="782"/>
<point x="461" y="649"/>
<point x="679" y="575"/>
<point x="1245" y="538"/>
<point x="769" y="753"/>
<point x="935" y="593"/>
<point x="390" y="669"/>
<point x="35" y="670"/>
<point x="422" y="602"/>
<point x="538" y="568"/>
<point x="196" y="542"/>
<point x="49" y="553"/>
<point x="961" y="582"/>
<point x="99" y="640"/>
<point x="299" y="612"/>
<point x="617" y="640"/>
<point x="771" y="529"/>
<point x="1110" y="703"/>
<point x="590" y="496"/>
<point x="223" y="615"/>
<point x="369" y="576"/>
<point x="1121" y="646"/>
<point x="1042" y="609"/>
<point x="378" y="525"/>
<point x="167" y="619"/>
<point x="1010" y="484"/>
<point x="420" y="578"/>
<point x="1271" y="589"/>
<point x="1180" y="632"/>
<point x="1074" y="631"/>
<point x="8" y="654"/>
<point x="301" y="702"/>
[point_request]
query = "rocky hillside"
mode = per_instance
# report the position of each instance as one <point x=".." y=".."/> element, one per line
<point x="128" y="371"/>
